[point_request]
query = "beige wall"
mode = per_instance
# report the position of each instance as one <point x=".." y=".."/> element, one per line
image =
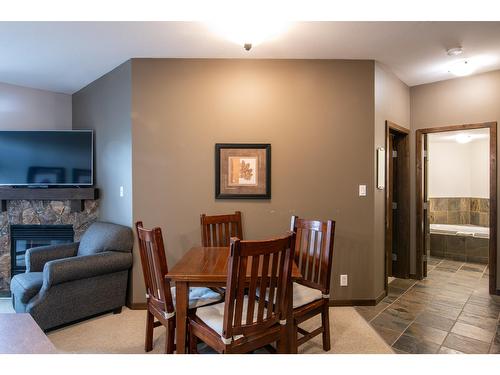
<point x="458" y="169"/>
<point x="392" y="103"/>
<point x="23" y="108"/>
<point x="317" y="114"/>
<point x="466" y="100"/>
<point x="104" y="106"/>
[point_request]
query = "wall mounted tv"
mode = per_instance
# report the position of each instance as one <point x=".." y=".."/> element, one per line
<point x="46" y="158"/>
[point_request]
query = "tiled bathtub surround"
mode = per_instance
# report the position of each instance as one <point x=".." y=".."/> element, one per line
<point x="474" y="211"/>
<point x="460" y="248"/>
<point x="39" y="212"/>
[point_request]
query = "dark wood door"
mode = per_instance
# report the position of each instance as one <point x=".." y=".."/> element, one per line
<point x="427" y="229"/>
<point x="389" y="200"/>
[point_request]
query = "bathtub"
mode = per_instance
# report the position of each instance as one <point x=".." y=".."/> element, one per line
<point x="466" y="243"/>
<point x="461" y="230"/>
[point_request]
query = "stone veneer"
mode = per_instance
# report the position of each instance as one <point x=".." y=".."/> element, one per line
<point x="468" y="211"/>
<point x="44" y="213"/>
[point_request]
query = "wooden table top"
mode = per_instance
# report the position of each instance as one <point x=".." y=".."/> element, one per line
<point x="208" y="264"/>
<point x="21" y="335"/>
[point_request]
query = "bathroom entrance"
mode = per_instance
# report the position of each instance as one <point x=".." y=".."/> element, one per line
<point x="456" y="200"/>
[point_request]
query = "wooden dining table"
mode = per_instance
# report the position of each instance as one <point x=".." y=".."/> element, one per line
<point x="207" y="266"/>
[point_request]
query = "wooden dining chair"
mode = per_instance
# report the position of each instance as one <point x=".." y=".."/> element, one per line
<point x="217" y="230"/>
<point x="159" y="293"/>
<point x="313" y="257"/>
<point x="243" y="322"/>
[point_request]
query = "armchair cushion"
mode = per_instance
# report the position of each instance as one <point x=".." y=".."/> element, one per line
<point x="102" y="237"/>
<point x="26" y="285"/>
<point x="36" y="257"/>
<point x="82" y="267"/>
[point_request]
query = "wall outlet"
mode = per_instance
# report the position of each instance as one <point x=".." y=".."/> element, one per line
<point x="343" y="280"/>
<point x="362" y="190"/>
<point x="121" y="191"/>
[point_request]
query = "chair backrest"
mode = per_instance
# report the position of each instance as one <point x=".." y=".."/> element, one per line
<point x="314" y="251"/>
<point x="217" y="230"/>
<point x="154" y="268"/>
<point x="102" y="236"/>
<point x="261" y="268"/>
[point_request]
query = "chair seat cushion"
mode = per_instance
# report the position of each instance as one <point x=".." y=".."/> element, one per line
<point x="26" y="285"/>
<point x="302" y="295"/>
<point x="199" y="296"/>
<point x="213" y="316"/>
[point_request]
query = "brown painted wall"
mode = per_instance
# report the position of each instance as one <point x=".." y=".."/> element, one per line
<point x="458" y="101"/>
<point x="104" y="106"/>
<point x="392" y="103"/>
<point x="317" y="114"/>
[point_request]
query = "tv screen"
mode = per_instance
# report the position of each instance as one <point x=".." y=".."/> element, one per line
<point x="46" y="158"/>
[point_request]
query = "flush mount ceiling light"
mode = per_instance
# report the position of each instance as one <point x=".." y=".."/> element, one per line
<point x="248" y="33"/>
<point x="463" y="138"/>
<point x="455" y="51"/>
<point x="462" y="68"/>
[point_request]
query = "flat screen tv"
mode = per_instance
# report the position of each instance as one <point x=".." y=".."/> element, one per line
<point x="46" y="158"/>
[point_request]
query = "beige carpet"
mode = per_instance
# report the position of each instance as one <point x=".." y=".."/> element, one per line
<point x="124" y="333"/>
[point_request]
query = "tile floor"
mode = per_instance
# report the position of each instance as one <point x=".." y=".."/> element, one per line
<point x="449" y="312"/>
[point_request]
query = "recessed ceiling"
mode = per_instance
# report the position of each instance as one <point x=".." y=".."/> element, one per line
<point x="66" y="56"/>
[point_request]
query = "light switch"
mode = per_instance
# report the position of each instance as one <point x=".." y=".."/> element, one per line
<point x="121" y="191"/>
<point x="362" y="190"/>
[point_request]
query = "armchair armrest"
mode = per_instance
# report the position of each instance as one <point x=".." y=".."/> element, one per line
<point x="86" y="266"/>
<point x="36" y="257"/>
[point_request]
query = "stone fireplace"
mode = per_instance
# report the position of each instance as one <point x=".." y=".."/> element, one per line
<point x="38" y="212"/>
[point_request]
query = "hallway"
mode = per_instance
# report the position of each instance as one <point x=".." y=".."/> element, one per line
<point x="448" y="312"/>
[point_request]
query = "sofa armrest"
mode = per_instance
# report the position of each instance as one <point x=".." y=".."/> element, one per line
<point x="85" y="266"/>
<point x="36" y="257"/>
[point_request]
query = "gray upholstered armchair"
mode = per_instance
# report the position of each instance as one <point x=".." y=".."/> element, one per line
<point x="67" y="282"/>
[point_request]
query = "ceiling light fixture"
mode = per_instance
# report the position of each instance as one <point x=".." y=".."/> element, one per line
<point x="463" y="138"/>
<point x="248" y="33"/>
<point x="455" y="51"/>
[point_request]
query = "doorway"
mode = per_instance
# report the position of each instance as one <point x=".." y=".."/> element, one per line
<point x="397" y="203"/>
<point x="446" y="219"/>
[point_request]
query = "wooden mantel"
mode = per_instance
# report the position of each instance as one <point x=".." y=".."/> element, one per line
<point x="76" y="195"/>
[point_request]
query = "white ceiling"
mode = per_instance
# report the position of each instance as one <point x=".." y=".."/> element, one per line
<point x="66" y="56"/>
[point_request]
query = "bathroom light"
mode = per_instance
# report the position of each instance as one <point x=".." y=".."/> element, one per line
<point x="248" y="33"/>
<point x="462" y="68"/>
<point x="463" y="138"/>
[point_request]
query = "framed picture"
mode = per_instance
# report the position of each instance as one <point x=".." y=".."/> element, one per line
<point x="81" y="176"/>
<point x="242" y="171"/>
<point x="46" y="175"/>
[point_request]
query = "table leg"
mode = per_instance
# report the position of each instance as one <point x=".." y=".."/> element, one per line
<point x="181" y="307"/>
<point x="291" y="336"/>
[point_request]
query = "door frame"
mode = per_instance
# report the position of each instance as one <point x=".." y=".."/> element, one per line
<point x="492" y="258"/>
<point x="402" y="131"/>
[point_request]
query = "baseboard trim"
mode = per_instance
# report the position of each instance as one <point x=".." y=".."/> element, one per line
<point x="358" y="302"/>
<point x="137" y="306"/>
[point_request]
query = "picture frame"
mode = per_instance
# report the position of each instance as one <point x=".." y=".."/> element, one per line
<point x="46" y="175"/>
<point x="243" y="171"/>
<point x="82" y="176"/>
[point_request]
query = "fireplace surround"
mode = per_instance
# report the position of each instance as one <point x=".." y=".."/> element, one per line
<point x="35" y="213"/>
<point x="24" y="237"/>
